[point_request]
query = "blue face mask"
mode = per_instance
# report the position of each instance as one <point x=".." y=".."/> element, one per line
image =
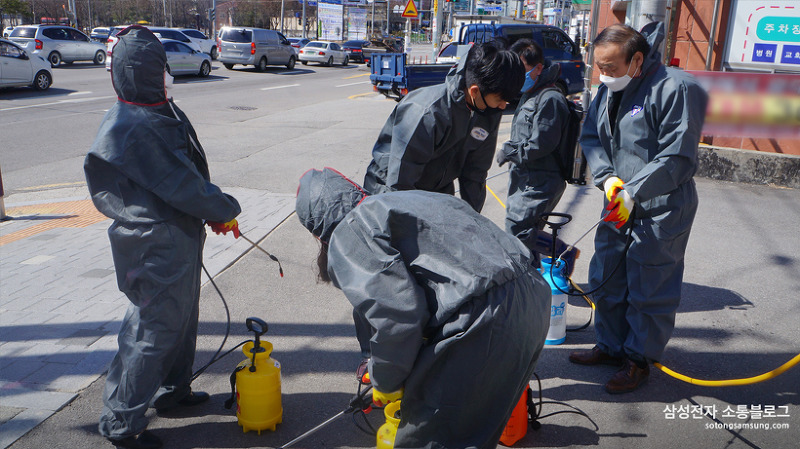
<point x="529" y="82"/>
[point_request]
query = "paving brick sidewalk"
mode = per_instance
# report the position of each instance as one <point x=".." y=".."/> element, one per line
<point x="60" y="308"/>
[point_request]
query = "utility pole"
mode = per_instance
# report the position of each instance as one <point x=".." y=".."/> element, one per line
<point x="282" y="6"/>
<point x="305" y="34"/>
<point x="388" y="4"/>
<point x="437" y="27"/>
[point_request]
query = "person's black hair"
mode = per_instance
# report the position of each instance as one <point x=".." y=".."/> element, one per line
<point x="494" y="70"/>
<point x="529" y="51"/>
<point x="628" y="38"/>
<point x="322" y="264"/>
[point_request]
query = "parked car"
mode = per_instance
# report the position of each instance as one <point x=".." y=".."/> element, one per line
<point x="298" y="43"/>
<point x="355" y="50"/>
<point x="176" y="35"/>
<point x="183" y="60"/>
<point x="18" y="68"/>
<point x="100" y="34"/>
<point x="112" y="40"/>
<point x="254" y="46"/>
<point x="58" y="43"/>
<point x="323" y="52"/>
<point x="207" y="45"/>
<point x="7" y="31"/>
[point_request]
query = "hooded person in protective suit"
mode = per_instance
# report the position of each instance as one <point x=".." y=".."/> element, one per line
<point x="458" y="312"/>
<point x="148" y="173"/>
<point x="445" y="132"/>
<point x="640" y="139"/>
<point x="538" y="135"/>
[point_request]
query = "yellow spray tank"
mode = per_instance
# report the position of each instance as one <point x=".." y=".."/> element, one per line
<point x="256" y="382"/>
<point x="388" y="431"/>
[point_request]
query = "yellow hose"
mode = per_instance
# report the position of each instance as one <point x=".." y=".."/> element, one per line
<point x="732" y="382"/>
<point x="705" y="383"/>
<point x="495" y="196"/>
<point x="714" y="383"/>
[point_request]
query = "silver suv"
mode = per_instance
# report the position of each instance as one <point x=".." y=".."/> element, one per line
<point x="58" y="43"/>
<point x="254" y="46"/>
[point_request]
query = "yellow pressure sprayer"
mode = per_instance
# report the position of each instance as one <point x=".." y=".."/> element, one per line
<point x="256" y="383"/>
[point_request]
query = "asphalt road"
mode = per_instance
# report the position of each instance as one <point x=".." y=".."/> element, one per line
<point x="738" y="317"/>
<point x="46" y="134"/>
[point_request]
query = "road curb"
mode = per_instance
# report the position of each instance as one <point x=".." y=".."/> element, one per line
<point x="732" y="164"/>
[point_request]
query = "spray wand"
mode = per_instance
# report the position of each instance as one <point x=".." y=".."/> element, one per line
<point x="360" y="403"/>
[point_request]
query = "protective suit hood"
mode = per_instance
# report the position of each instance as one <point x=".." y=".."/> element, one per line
<point x="456" y="81"/>
<point x="548" y="77"/>
<point x="324" y="198"/>
<point x="137" y="67"/>
<point x="654" y="33"/>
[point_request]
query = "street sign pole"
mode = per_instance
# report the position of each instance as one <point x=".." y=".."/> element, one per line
<point x="437" y="28"/>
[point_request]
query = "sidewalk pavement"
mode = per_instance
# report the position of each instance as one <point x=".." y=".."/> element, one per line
<point x="60" y="308"/>
<point x="737" y="318"/>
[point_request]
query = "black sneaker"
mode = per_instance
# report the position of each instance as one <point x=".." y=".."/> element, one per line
<point x="145" y="440"/>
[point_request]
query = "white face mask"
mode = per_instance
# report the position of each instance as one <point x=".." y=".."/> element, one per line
<point x="617" y="84"/>
<point x="167" y="80"/>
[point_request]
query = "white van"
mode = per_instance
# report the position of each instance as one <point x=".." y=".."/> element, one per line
<point x="254" y="46"/>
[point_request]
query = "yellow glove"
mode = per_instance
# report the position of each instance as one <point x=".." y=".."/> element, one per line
<point x="619" y="208"/>
<point x="612" y="185"/>
<point x="381" y="399"/>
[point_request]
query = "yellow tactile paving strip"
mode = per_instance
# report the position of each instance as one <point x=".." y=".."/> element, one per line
<point x="76" y="214"/>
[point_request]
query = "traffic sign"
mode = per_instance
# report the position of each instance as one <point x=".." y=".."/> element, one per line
<point x="411" y="10"/>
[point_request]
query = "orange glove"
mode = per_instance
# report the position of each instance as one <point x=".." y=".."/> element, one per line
<point x="223" y="228"/>
<point x="619" y="208"/>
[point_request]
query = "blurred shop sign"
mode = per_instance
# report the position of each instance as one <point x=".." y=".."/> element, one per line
<point x="751" y="104"/>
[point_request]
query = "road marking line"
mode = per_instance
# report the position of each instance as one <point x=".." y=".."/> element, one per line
<point x="353" y="84"/>
<point x="60" y="102"/>
<point x="351" y="97"/>
<point x="50" y="186"/>
<point x="355" y="76"/>
<point x="279" y="87"/>
<point x="82" y="92"/>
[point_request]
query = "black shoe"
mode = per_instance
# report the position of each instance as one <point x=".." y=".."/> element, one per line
<point x="194" y="398"/>
<point x="145" y="440"/>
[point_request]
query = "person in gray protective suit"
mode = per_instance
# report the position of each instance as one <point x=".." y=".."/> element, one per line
<point x="640" y="139"/>
<point x="459" y="312"/>
<point x="148" y="173"/>
<point x="441" y="133"/>
<point x="535" y="184"/>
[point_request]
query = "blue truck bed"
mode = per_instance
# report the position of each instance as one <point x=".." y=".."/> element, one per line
<point x="392" y="77"/>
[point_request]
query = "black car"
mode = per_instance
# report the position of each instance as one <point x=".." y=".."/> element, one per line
<point x="355" y="50"/>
